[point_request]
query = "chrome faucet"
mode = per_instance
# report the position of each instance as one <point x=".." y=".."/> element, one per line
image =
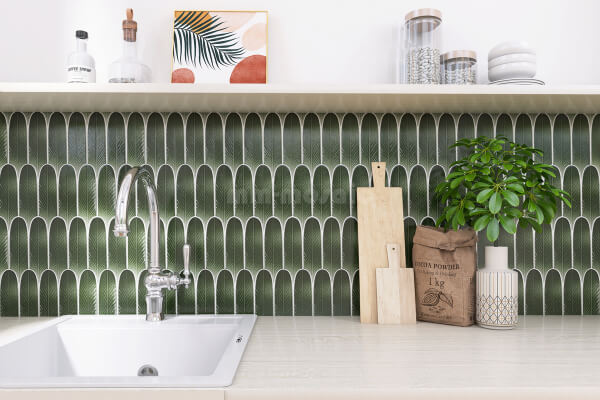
<point x="156" y="280"/>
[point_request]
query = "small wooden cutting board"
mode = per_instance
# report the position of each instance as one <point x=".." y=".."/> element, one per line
<point x="395" y="291"/>
<point x="380" y="221"/>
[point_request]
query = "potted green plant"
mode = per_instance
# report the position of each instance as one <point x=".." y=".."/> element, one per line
<point x="499" y="184"/>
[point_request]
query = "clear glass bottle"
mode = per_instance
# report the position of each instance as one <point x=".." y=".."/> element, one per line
<point x="128" y="68"/>
<point x="419" y="60"/>
<point x="81" y="67"/>
<point x="459" y="67"/>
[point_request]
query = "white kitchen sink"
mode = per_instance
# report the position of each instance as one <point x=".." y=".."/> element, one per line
<point x="127" y="351"/>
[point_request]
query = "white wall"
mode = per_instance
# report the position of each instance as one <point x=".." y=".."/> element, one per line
<point x="310" y="41"/>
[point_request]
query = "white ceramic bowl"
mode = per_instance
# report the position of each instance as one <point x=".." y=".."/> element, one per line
<point x="505" y="48"/>
<point x="512" y="70"/>
<point x="510" y="58"/>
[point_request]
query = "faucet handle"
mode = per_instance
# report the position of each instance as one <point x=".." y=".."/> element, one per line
<point x="186" y="263"/>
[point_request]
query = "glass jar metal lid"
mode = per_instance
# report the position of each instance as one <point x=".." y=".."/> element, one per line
<point x="454" y="54"/>
<point x="423" y="12"/>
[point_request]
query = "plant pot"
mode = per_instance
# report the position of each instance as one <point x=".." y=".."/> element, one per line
<point x="497" y="293"/>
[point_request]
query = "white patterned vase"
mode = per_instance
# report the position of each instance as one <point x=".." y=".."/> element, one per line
<point x="497" y="295"/>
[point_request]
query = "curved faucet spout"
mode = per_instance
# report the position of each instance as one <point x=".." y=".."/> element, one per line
<point x="121" y="227"/>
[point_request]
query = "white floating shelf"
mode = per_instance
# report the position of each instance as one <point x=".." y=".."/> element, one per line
<point x="298" y="98"/>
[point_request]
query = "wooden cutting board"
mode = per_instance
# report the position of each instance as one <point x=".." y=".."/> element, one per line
<point x="380" y="221"/>
<point x="395" y="291"/>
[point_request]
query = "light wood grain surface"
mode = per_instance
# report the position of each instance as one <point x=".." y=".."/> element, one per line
<point x="289" y="358"/>
<point x="395" y="291"/>
<point x="380" y="221"/>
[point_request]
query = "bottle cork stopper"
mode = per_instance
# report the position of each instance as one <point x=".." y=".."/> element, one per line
<point x="129" y="26"/>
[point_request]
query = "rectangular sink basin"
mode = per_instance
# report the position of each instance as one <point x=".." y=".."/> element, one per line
<point x="127" y="351"/>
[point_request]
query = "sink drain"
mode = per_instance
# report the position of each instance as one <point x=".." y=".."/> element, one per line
<point x="147" y="370"/>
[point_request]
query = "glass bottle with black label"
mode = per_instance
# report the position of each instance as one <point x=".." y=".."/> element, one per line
<point x="81" y="67"/>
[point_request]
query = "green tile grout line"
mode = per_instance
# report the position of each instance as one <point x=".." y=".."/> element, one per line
<point x="267" y="202"/>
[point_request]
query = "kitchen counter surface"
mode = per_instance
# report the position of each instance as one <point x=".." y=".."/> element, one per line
<point x="338" y="358"/>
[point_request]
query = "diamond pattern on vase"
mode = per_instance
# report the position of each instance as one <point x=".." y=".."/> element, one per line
<point x="497" y="298"/>
<point x="267" y="202"/>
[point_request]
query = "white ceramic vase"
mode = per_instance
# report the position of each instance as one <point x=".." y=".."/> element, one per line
<point x="497" y="295"/>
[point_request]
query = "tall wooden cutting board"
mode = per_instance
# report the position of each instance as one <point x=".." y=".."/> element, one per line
<point x="380" y="221"/>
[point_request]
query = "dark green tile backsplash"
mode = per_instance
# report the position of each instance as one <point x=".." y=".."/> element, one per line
<point x="267" y="202"/>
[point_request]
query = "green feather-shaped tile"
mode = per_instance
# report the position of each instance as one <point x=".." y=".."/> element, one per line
<point x="186" y="299"/>
<point x="18" y="245"/>
<point x="29" y="295"/>
<point x="136" y="244"/>
<point x="48" y="294"/>
<point x="322" y="294"/>
<point x="253" y="140"/>
<point x="340" y="193"/>
<point x="312" y="245"/>
<point x="302" y="294"/>
<point x="321" y="191"/>
<point x="67" y="193"/>
<point x="195" y="238"/>
<point x="97" y="245"/>
<point x="243" y="193"/>
<point x="3" y="245"/>
<point x="591" y="293"/>
<point x="264" y="293"/>
<point x="3" y="140"/>
<point x="76" y="154"/>
<point x="272" y="141"/>
<point x="302" y="193"/>
<point x="96" y="140"/>
<point x="194" y="140"/>
<point x="534" y="300"/>
<point x="225" y="295"/>
<point x="107" y="293"/>
<point x="263" y="193"/>
<point x="273" y="245"/>
<point x="213" y="137"/>
<point x="136" y="137"/>
<point x="107" y="192"/>
<point x="175" y="140"/>
<point x="523" y="131"/>
<point x="331" y="141"/>
<point x="436" y="176"/>
<point x="115" y="140"/>
<point x="165" y="186"/>
<point x="389" y="140"/>
<point x="553" y="296"/>
<point x="446" y="138"/>
<point x="350" y="141"/>
<point x="562" y="141"/>
<point x="48" y="200"/>
<point x="215" y="245"/>
<point x="417" y="197"/>
<point x="38" y="245"/>
<point x="408" y="141"/>
<point x="581" y="245"/>
<point x="185" y="192"/>
<point x="9" y="297"/>
<point x="369" y="146"/>
<point x="254" y="244"/>
<point x="234" y="245"/>
<point x="127" y="293"/>
<point x="524" y="249"/>
<point x="572" y="293"/>
<point x="68" y="293"/>
<point x="9" y="193"/>
<point x="284" y="303"/>
<point x="28" y="192"/>
<point x="581" y="141"/>
<point x="292" y="141"/>
<point x="57" y="140"/>
<point x="282" y="193"/>
<point x="292" y="242"/>
<point x="572" y="185"/>
<point x="141" y="292"/>
<point x="78" y="245"/>
<point x="341" y="293"/>
<point x="311" y="141"/>
<point x="562" y="245"/>
<point x="427" y="141"/>
<point x="58" y="244"/>
<point x="38" y="146"/>
<point x="224" y="192"/>
<point x="244" y="293"/>
<point x="175" y="242"/>
<point x="485" y="126"/>
<point x="234" y="140"/>
<point x="87" y="192"/>
<point x="350" y="245"/>
<point x="155" y="141"/>
<point x="205" y="292"/>
<point x="205" y="196"/>
<point x="17" y="140"/>
<point x="87" y="293"/>
<point x="590" y="189"/>
<point x="332" y="252"/>
<point x="360" y="178"/>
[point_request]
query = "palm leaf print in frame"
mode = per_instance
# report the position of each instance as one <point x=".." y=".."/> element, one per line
<point x="201" y="39"/>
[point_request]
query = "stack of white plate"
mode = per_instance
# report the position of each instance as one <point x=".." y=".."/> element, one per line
<point x="512" y="63"/>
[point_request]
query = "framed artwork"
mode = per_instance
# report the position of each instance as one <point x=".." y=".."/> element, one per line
<point x="219" y="47"/>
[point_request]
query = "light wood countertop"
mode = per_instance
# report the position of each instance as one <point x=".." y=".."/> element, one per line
<point x="338" y="358"/>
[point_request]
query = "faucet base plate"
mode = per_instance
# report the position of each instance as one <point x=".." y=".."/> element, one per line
<point x="153" y="317"/>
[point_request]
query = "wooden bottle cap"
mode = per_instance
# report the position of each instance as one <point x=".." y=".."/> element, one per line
<point x="129" y="26"/>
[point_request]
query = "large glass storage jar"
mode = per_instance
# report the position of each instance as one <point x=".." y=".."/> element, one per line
<point x="421" y="42"/>
<point x="459" y="67"/>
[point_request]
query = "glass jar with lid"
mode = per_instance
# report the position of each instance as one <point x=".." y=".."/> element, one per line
<point x="419" y="60"/>
<point x="459" y="67"/>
